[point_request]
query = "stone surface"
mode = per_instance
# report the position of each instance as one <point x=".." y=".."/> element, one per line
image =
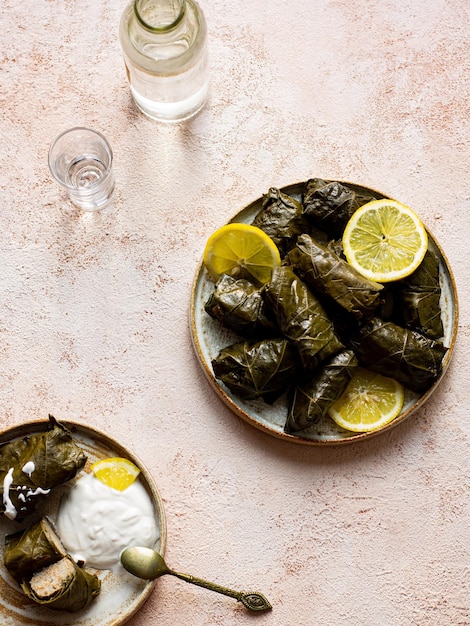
<point x="95" y="307"/>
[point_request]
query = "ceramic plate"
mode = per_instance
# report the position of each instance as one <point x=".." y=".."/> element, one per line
<point x="209" y="337"/>
<point x="121" y="594"/>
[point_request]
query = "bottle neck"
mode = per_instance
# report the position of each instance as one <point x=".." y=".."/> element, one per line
<point x="159" y="16"/>
<point x="164" y="52"/>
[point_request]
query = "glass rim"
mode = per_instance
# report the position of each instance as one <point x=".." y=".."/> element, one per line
<point x="159" y="29"/>
<point x="67" y="132"/>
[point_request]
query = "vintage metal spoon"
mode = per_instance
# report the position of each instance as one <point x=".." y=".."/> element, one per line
<point x="148" y="564"/>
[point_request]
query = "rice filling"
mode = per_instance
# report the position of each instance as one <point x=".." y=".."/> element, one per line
<point x="53" y="579"/>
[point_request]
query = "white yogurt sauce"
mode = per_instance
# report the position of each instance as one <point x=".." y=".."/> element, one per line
<point x="96" y="522"/>
<point x="10" y="509"/>
<point x="28" y="468"/>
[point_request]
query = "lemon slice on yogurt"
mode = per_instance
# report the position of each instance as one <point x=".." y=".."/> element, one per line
<point x="116" y="472"/>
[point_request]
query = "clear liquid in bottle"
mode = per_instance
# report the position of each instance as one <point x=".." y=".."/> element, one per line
<point x="164" y="44"/>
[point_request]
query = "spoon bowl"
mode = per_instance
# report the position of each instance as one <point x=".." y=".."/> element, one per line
<point x="144" y="562"/>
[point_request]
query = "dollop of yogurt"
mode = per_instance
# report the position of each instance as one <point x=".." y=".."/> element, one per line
<point x="96" y="522"/>
<point x="28" y="468"/>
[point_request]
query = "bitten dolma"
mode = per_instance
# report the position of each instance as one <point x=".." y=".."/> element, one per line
<point x="313" y="397"/>
<point x="411" y="358"/>
<point x="300" y="317"/>
<point x="420" y="295"/>
<point x="38" y="561"/>
<point x="261" y="369"/>
<point x="281" y="217"/>
<point x="34" y="465"/>
<point x="62" y="586"/>
<point x="327" y="274"/>
<point x="329" y="205"/>
<point x="239" y="305"/>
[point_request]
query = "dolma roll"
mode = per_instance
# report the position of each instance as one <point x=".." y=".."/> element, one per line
<point x="38" y="561"/>
<point x="239" y="305"/>
<point x="30" y="550"/>
<point x="327" y="274"/>
<point x="314" y="396"/>
<point x="300" y="317"/>
<point x="419" y="295"/>
<point x="329" y="205"/>
<point x="34" y="465"/>
<point x="405" y="355"/>
<point x="260" y="369"/>
<point x="281" y="217"/>
<point x="62" y="586"/>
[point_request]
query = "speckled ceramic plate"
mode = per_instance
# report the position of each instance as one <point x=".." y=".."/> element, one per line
<point x="209" y="337"/>
<point x="121" y="593"/>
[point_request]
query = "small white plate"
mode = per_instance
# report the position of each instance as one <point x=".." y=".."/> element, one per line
<point x="209" y="337"/>
<point x="121" y="594"/>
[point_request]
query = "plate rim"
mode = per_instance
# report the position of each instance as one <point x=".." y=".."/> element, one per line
<point x="353" y="437"/>
<point x="40" y="425"/>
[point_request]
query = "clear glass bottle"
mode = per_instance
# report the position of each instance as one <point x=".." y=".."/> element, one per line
<point x="164" y="44"/>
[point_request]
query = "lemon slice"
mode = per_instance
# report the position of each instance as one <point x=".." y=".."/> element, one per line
<point x="241" y="251"/>
<point x="368" y="402"/>
<point x="116" y="472"/>
<point x="385" y="241"/>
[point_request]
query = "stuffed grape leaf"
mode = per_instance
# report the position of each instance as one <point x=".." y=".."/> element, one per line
<point x="326" y="273"/>
<point x="300" y="317"/>
<point x="38" y="561"/>
<point x="409" y="357"/>
<point x="260" y="369"/>
<point x="420" y="296"/>
<point x="314" y="396"/>
<point x="74" y="586"/>
<point x="281" y="217"/>
<point x="239" y="305"/>
<point x="34" y="465"/>
<point x="329" y="205"/>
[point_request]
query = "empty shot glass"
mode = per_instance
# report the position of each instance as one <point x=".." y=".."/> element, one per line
<point x="81" y="160"/>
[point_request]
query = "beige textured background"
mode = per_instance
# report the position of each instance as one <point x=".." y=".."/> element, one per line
<point x="94" y="314"/>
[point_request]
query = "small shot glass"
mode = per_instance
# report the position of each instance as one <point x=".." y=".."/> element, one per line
<point x="81" y="161"/>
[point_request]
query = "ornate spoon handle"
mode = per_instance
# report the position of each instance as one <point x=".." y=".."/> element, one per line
<point x="251" y="600"/>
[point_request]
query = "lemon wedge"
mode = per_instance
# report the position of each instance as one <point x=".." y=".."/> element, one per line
<point x="369" y="402"/>
<point x="241" y="251"/>
<point x="116" y="472"/>
<point x="385" y="240"/>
